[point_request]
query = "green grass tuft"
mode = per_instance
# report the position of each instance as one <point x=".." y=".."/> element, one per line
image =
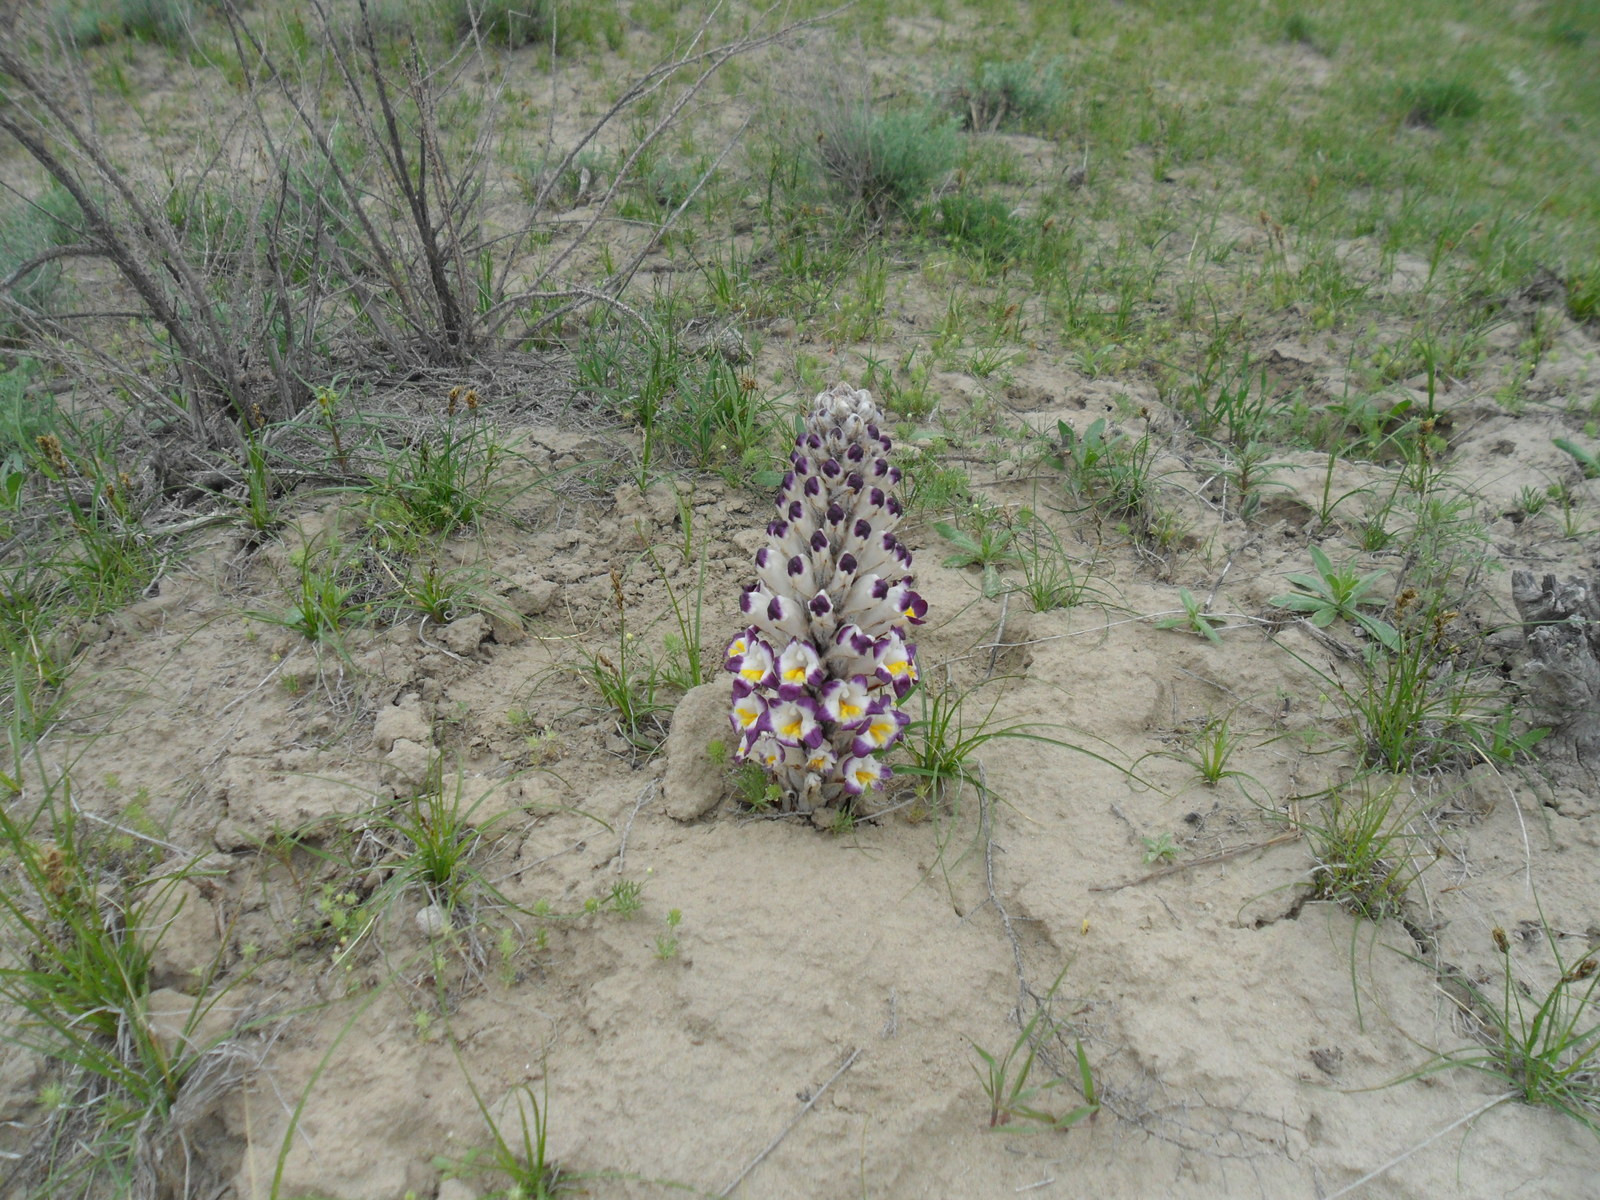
<point x="1434" y="103"/>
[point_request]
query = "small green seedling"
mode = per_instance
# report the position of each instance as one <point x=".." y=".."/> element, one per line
<point x="1194" y="619"/>
<point x="1013" y="1100"/>
<point x="1210" y="749"/>
<point x="1160" y="849"/>
<point x="1506" y="745"/>
<point x="988" y="545"/>
<point x="1332" y="593"/>
<point x="667" y="943"/>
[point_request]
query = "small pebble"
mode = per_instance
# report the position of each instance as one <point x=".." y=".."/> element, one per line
<point x="432" y="921"/>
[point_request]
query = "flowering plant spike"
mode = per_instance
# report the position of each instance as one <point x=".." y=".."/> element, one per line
<point x="819" y="672"/>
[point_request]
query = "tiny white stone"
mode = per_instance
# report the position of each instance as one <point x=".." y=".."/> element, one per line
<point x="432" y="920"/>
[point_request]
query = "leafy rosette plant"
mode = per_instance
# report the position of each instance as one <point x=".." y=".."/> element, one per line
<point x="821" y="668"/>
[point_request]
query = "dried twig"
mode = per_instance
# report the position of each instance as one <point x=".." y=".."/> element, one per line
<point x="1427" y="1141"/>
<point x="622" y="849"/>
<point x="1208" y="860"/>
<point x="793" y="1121"/>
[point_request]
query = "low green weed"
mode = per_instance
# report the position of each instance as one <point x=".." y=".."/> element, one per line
<point x="1051" y="578"/>
<point x="1008" y="1080"/>
<point x="941" y="744"/>
<point x="1416" y="709"/>
<point x="1332" y="593"/>
<point x="1159" y="849"/>
<point x="323" y="603"/>
<point x="1210" y="749"/>
<point x="881" y="163"/>
<point x="694" y="407"/>
<point x="667" y="943"/>
<point x="82" y="917"/>
<point x="686" y="653"/>
<point x="521" y="1157"/>
<point x="1510" y="740"/>
<point x="985" y="542"/>
<point x="1194" y="619"/>
<point x="754" y="788"/>
<point x="1361" y="848"/>
<point x="260" y="485"/>
<point x="1435" y="102"/>
<point x="103" y="555"/>
<point x="441" y="480"/>
<point x="441" y="593"/>
<point x="722" y="419"/>
<point x="1236" y="406"/>
<point x="982" y="227"/>
<point x="1531" y="500"/>
<point x="1026" y="95"/>
<point x="1108" y="467"/>
<point x="931" y="486"/>
<point x="430" y="840"/>
<point x="1545" y="1046"/>
<point x="630" y="685"/>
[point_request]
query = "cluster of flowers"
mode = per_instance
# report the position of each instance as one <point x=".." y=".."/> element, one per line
<point x="820" y="670"/>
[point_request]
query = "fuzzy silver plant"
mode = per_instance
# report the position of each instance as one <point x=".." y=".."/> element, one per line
<point x="821" y="668"/>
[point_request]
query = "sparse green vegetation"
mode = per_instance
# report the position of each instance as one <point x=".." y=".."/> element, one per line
<point x="1433" y="102"/>
<point x="1025" y="95"/>
<point x="881" y="163"/>
<point x="1362" y="847"/>
<point x="1543" y="1046"/>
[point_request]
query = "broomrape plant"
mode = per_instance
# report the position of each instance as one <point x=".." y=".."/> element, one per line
<point x="819" y="672"/>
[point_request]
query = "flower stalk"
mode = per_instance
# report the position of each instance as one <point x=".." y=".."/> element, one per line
<point x="823" y="664"/>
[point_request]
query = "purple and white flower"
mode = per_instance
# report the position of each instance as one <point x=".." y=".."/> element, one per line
<point x="832" y="588"/>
